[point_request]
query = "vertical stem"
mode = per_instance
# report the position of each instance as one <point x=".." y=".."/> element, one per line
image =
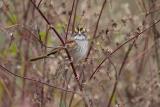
<point x="96" y="28"/>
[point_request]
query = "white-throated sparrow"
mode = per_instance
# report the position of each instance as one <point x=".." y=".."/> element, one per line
<point x="77" y="47"/>
<point x="80" y="47"/>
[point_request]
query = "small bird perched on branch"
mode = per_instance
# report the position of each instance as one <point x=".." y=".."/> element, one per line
<point x="78" y="47"/>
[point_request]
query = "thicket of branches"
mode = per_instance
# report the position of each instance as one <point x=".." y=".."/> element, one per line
<point x="122" y="67"/>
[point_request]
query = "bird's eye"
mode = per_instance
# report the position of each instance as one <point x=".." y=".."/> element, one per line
<point x="81" y="29"/>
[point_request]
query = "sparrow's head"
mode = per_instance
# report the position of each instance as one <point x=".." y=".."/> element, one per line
<point x="80" y="30"/>
<point x="80" y="33"/>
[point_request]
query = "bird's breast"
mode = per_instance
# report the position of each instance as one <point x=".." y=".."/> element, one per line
<point x="83" y="47"/>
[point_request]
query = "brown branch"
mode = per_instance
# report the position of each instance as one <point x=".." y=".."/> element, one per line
<point x="63" y="43"/>
<point x="75" y="14"/>
<point x="114" y="67"/>
<point x="96" y="28"/>
<point x="69" y="21"/>
<point x="120" y="71"/>
<point x="156" y="35"/>
<point x="136" y="36"/>
<point x="34" y="80"/>
<point x="47" y="21"/>
<point x="140" y="55"/>
<point x="39" y="3"/>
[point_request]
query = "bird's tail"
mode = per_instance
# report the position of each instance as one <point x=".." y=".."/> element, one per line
<point x="54" y="51"/>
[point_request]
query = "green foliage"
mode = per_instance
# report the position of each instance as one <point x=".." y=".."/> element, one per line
<point x="59" y="27"/>
<point x="78" y="19"/>
<point x="12" y="18"/>
<point x="43" y="36"/>
<point x="2" y="39"/>
<point x="19" y="82"/>
<point x="13" y="49"/>
<point x="1" y="90"/>
<point x="62" y="104"/>
<point x="114" y="99"/>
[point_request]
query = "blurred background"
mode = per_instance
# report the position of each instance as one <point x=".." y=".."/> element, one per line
<point x="124" y="75"/>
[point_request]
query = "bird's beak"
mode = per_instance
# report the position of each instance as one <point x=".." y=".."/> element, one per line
<point x="79" y="32"/>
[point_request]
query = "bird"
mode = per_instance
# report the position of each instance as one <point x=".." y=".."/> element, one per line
<point x="77" y="47"/>
<point x="81" y="45"/>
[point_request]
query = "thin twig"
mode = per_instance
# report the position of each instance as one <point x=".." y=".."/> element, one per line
<point x="34" y="80"/>
<point x="119" y="73"/>
<point x="156" y="35"/>
<point x="139" y="34"/>
<point x="39" y="3"/>
<point x="75" y="14"/>
<point x="63" y="43"/>
<point x="69" y="21"/>
<point x="96" y="28"/>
